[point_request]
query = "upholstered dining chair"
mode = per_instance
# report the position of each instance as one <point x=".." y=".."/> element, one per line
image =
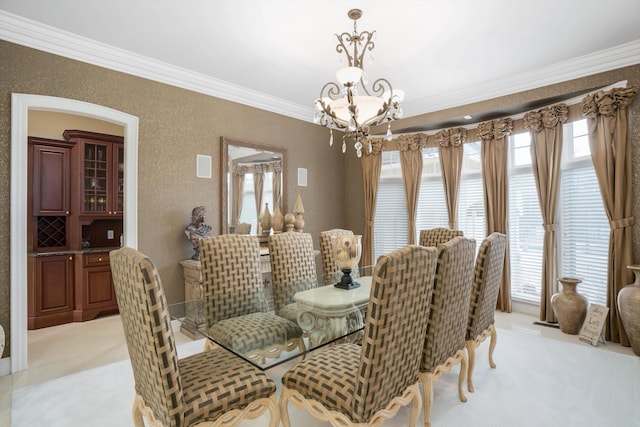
<point x="444" y="342"/>
<point x="213" y="388"/>
<point x="243" y="228"/>
<point x="293" y="269"/>
<point x="437" y="236"/>
<point x="235" y="309"/>
<point x="330" y="268"/>
<point x="484" y="297"/>
<point x="349" y="384"/>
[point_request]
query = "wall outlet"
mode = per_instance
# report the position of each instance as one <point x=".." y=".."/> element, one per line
<point x="109" y="234"/>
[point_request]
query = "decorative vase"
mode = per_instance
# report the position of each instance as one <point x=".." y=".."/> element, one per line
<point x="298" y="209"/>
<point x="569" y="306"/>
<point x="277" y="220"/>
<point x="1" y="341"/>
<point x="265" y="220"/>
<point x="629" y="307"/>
<point x="289" y="219"/>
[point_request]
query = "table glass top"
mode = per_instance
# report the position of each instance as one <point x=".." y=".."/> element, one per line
<point x="312" y="313"/>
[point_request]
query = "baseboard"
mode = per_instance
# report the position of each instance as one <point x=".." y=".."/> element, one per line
<point x="5" y="366"/>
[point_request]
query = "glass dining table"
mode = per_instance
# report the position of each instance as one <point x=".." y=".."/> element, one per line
<point x="321" y="314"/>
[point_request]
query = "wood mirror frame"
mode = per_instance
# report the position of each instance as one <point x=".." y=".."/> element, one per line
<point x="225" y="197"/>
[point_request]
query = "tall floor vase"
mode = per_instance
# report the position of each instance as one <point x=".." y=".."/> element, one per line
<point x="629" y="307"/>
<point x="569" y="306"/>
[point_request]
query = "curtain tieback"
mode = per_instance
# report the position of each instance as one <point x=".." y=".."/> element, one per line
<point x="549" y="227"/>
<point x="622" y="223"/>
<point x="369" y="223"/>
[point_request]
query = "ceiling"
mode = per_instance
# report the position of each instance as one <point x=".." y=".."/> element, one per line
<point x="277" y="54"/>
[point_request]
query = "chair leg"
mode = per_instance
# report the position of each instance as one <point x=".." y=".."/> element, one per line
<point x="416" y="406"/>
<point x="283" y="404"/>
<point x="492" y="345"/>
<point x="137" y="415"/>
<point x="209" y="345"/>
<point x="426" y="378"/>
<point x="462" y="374"/>
<point x="471" y="352"/>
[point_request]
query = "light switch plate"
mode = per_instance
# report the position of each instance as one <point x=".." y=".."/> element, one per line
<point x="109" y="234"/>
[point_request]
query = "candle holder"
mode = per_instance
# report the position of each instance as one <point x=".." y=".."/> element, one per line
<point x="347" y="250"/>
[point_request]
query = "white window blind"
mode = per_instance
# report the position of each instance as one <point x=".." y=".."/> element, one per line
<point x="471" y="216"/>
<point x="526" y="233"/>
<point x="432" y="206"/>
<point x="391" y="220"/>
<point x="584" y="242"/>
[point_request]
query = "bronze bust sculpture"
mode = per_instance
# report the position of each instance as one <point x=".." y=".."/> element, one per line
<point x="197" y="230"/>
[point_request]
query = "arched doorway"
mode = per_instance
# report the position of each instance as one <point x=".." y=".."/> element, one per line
<point x="20" y="106"/>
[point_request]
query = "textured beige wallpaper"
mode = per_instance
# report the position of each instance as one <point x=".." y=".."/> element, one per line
<point x="174" y="126"/>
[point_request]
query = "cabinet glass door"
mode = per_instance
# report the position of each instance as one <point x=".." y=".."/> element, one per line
<point x="119" y="174"/>
<point x="95" y="178"/>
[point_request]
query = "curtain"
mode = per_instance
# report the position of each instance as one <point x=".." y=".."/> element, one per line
<point x="411" y="165"/>
<point x="258" y="185"/>
<point x="494" y="151"/>
<point x="545" y="127"/>
<point x="237" y="187"/>
<point x="451" y="151"/>
<point x="607" y="118"/>
<point x="277" y="185"/>
<point x="371" y="168"/>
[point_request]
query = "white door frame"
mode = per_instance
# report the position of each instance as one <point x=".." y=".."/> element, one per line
<point x="20" y="106"/>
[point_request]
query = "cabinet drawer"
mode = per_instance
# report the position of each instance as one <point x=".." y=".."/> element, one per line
<point x="101" y="258"/>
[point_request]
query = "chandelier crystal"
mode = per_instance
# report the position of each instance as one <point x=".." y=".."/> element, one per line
<point x="351" y="106"/>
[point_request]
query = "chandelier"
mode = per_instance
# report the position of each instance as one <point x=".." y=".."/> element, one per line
<point x="351" y="106"/>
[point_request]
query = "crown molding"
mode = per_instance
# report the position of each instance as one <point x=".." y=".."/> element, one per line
<point x="26" y="32"/>
<point x="605" y="60"/>
<point x="19" y="30"/>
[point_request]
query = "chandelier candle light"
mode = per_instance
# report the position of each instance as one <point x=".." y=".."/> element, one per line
<point x="351" y="106"/>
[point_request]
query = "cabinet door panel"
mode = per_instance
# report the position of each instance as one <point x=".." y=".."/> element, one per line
<point x="55" y="284"/>
<point x="51" y="181"/>
<point x="99" y="288"/>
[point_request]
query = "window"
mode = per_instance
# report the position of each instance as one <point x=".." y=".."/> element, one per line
<point x="390" y="225"/>
<point x="432" y="205"/>
<point x="582" y="227"/>
<point x="526" y="233"/>
<point x="249" y="208"/>
<point x="471" y="216"/>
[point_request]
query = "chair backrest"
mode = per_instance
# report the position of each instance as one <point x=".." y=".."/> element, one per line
<point x="243" y="228"/>
<point x="447" y="326"/>
<point x="396" y="316"/>
<point x="147" y="327"/>
<point x="326" y="249"/>
<point x="487" y="278"/>
<point x="231" y="276"/>
<point x="437" y="236"/>
<point x="293" y="266"/>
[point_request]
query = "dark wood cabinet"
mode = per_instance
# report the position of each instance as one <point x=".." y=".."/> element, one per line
<point x="94" y="293"/>
<point x="50" y="179"/>
<point x="99" y="173"/>
<point x="50" y="287"/>
<point x="75" y="197"/>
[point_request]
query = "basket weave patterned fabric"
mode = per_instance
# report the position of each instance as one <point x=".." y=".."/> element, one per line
<point x="233" y="288"/>
<point x="447" y="326"/>
<point x="437" y="236"/>
<point x="293" y="269"/>
<point x="179" y="392"/>
<point x="329" y="267"/>
<point x="359" y="381"/>
<point x="486" y="284"/>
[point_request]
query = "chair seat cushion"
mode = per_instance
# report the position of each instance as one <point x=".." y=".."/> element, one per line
<point x="216" y="381"/>
<point x="289" y="311"/>
<point x="254" y="331"/>
<point x="328" y="377"/>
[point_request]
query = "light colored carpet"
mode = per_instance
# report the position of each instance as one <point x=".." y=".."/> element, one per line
<point x="537" y="382"/>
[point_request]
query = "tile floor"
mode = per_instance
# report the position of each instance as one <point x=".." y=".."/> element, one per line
<point x="65" y="349"/>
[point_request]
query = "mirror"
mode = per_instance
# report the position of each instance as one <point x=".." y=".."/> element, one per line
<point x="245" y="169"/>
